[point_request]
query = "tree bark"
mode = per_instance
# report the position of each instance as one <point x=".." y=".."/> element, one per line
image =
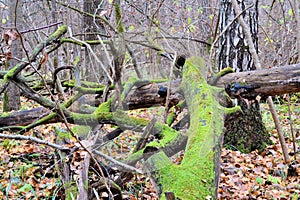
<point x="266" y="82"/>
<point x="234" y="52"/>
<point x="12" y="93"/>
<point x="24" y="117"/>
<point x="233" y="48"/>
<point x="91" y="27"/>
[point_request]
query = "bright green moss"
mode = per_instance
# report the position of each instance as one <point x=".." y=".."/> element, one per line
<point x="81" y="131"/>
<point x="10" y="73"/>
<point x="194" y="177"/>
<point x="104" y="107"/>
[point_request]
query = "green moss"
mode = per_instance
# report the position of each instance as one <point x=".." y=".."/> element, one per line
<point x="10" y="73"/>
<point x="171" y="116"/>
<point x="81" y="131"/>
<point x="185" y="183"/>
<point x="104" y="107"/>
<point x="91" y="119"/>
<point x="166" y="135"/>
<point x="68" y="40"/>
<point x="123" y="119"/>
<point x="62" y="133"/>
<point x="138" y="155"/>
<point x="159" y="80"/>
<point x="5" y="114"/>
<point x="172" y="112"/>
<point x="86" y="90"/>
<point x="128" y="86"/>
<point x="232" y="110"/>
<point x="60" y="31"/>
<point x="225" y="71"/>
<point x="90" y="42"/>
<point x="40" y="121"/>
<point x="118" y="10"/>
<point x="194" y="178"/>
<point x="76" y="61"/>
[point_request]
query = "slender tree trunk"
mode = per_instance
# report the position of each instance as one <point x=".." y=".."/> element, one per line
<point x="245" y="131"/>
<point x="12" y="93"/>
<point x="297" y="17"/>
<point x="90" y="26"/>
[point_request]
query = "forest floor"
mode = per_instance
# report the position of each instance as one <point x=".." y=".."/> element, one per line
<point x="265" y="175"/>
<point x="27" y="169"/>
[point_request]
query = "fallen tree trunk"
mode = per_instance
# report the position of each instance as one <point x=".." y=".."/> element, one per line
<point x="266" y="82"/>
<point x="23" y="117"/>
<point x="198" y="174"/>
<point x="148" y="95"/>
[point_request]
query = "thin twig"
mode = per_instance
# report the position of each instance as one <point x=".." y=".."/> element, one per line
<point x="40" y="28"/>
<point x="93" y="53"/>
<point x="120" y="164"/>
<point x="31" y="138"/>
<point x="291" y="126"/>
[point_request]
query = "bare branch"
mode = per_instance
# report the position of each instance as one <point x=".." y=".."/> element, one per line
<point x="37" y="140"/>
<point x="120" y="164"/>
<point x="40" y="28"/>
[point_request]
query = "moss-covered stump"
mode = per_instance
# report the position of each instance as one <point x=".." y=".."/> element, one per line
<point x="245" y="130"/>
<point x="198" y="174"/>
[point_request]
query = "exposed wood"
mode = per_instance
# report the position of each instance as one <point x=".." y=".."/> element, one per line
<point x="269" y="82"/>
<point x="147" y="95"/>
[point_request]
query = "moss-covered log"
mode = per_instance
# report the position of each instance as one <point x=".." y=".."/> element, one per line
<point x="198" y="174"/>
<point x="23" y="117"/>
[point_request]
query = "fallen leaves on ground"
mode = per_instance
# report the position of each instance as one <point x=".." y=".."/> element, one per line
<point x="265" y="175"/>
<point x="27" y="173"/>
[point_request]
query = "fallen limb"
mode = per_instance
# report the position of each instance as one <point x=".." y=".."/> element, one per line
<point x="198" y="174"/>
<point x="37" y="140"/>
<point x="266" y="82"/>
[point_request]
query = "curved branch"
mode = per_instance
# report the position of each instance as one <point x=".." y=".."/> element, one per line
<point x="39" y="48"/>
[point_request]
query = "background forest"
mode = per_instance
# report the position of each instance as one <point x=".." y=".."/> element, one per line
<point x="87" y="85"/>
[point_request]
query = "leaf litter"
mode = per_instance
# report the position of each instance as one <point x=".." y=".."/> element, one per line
<point x="26" y="170"/>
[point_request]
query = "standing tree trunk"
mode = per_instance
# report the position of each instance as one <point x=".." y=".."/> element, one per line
<point x="297" y="18"/>
<point x="91" y="27"/>
<point x="244" y="131"/>
<point x="12" y="93"/>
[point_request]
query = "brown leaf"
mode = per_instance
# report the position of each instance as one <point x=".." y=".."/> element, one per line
<point x="5" y="38"/>
<point x="8" y="55"/>
<point x="44" y="59"/>
<point x="13" y="34"/>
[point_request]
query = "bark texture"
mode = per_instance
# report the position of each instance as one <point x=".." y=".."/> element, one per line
<point x="233" y="48"/>
<point x="91" y="27"/>
<point x="12" y="93"/>
<point x="244" y="131"/>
